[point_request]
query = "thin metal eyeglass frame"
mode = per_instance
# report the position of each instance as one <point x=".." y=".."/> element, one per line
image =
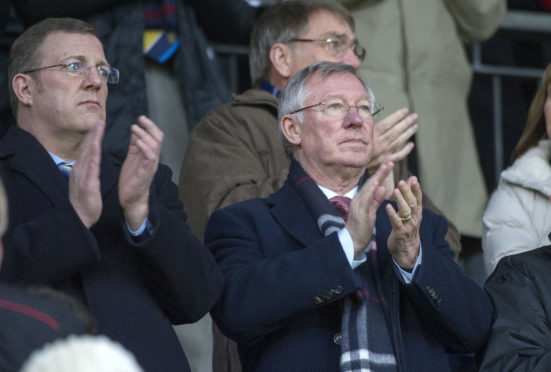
<point x="70" y="63"/>
<point x="378" y="108"/>
<point x="358" y="50"/>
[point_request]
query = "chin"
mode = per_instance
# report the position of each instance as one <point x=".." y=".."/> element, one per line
<point x="356" y="160"/>
<point x="90" y="120"/>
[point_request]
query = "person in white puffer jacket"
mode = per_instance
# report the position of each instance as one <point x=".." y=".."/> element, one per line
<point x="518" y="215"/>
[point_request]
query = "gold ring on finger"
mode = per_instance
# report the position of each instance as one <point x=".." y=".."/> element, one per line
<point x="406" y="218"/>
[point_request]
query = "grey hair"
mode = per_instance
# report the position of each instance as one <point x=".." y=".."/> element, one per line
<point x="281" y="23"/>
<point x="296" y="91"/>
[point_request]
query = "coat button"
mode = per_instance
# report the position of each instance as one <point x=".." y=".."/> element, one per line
<point x="338" y="290"/>
<point x="437" y="300"/>
<point x="317" y="300"/>
<point x="337" y="339"/>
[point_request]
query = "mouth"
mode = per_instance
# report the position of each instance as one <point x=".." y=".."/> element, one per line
<point x="354" y="141"/>
<point x="90" y="102"/>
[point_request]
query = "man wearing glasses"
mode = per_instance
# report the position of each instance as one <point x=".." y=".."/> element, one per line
<point x="235" y="152"/>
<point x="113" y="235"/>
<point x="323" y="274"/>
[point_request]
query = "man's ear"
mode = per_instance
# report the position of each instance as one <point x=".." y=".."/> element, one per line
<point x="291" y="129"/>
<point x="24" y="86"/>
<point x="281" y="58"/>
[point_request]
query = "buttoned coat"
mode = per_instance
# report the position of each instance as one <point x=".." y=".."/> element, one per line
<point x="134" y="288"/>
<point x="285" y="286"/>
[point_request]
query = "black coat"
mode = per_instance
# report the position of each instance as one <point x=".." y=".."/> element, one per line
<point x="277" y="266"/>
<point x="520" y="288"/>
<point x="135" y="290"/>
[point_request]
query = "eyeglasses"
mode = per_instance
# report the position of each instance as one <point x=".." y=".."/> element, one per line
<point x="82" y="69"/>
<point x="337" y="45"/>
<point x="337" y="108"/>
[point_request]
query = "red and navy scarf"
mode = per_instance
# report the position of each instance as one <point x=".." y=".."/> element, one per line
<point x="366" y="343"/>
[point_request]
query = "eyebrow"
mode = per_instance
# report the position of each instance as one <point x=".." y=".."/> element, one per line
<point x="335" y="35"/>
<point x="82" y="58"/>
<point x="341" y="97"/>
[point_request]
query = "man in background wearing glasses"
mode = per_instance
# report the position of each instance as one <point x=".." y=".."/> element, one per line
<point x="325" y="274"/>
<point x="235" y="153"/>
<point x="113" y="235"/>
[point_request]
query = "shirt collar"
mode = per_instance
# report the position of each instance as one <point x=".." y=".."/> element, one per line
<point x="57" y="160"/>
<point x="329" y="193"/>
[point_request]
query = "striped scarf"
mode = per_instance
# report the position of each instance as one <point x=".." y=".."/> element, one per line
<point x="160" y="40"/>
<point x="366" y="343"/>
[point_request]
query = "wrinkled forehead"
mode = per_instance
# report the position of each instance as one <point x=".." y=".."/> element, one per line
<point x="323" y="23"/>
<point x="335" y="84"/>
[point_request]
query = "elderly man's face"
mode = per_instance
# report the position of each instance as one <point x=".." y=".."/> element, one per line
<point x="64" y="102"/>
<point x="323" y="25"/>
<point x="327" y="141"/>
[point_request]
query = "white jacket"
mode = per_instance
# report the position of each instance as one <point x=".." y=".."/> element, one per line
<point x="518" y="215"/>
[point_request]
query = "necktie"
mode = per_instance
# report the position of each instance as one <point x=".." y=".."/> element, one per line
<point x="65" y="169"/>
<point x="342" y="205"/>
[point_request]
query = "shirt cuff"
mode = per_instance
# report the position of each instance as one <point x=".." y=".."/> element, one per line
<point x="145" y="224"/>
<point x="408" y="276"/>
<point x="348" y="248"/>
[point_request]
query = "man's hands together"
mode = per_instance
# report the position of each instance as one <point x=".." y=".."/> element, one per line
<point x="404" y="240"/>
<point x="135" y="179"/>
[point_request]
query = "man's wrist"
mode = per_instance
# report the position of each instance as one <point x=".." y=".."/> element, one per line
<point x="136" y="216"/>
<point x="408" y="259"/>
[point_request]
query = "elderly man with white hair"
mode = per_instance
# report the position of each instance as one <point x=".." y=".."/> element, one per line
<point x="326" y="274"/>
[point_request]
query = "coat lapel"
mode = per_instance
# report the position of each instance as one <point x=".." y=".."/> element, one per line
<point x="292" y="214"/>
<point x="29" y="158"/>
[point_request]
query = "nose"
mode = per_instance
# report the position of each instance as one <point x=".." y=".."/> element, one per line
<point x="350" y="58"/>
<point x="352" y="118"/>
<point x="93" y="78"/>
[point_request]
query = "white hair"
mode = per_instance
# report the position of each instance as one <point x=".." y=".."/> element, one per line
<point x="84" y="353"/>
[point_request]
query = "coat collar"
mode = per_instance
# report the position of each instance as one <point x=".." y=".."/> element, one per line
<point x="532" y="170"/>
<point x="291" y="212"/>
<point x="27" y="156"/>
<point x="256" y="97"/>
<point x="293" y="215"/>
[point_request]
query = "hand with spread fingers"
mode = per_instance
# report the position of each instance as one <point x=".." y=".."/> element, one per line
<point x="391" y="138"/>
<point x="404" y="240"/>
<point x="361" y="218"/>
